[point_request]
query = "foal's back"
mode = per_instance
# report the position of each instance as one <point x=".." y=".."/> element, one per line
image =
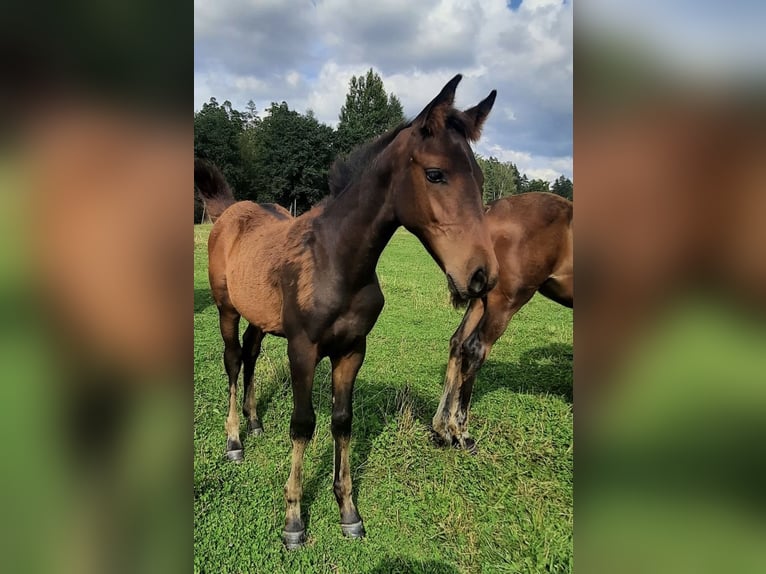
<point x="245" y="249"/>
<point x="532" y="235"/>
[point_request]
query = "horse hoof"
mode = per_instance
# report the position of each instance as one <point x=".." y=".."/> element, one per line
<point x="293" y="540"/>
<point x="255" y="428"/>
<point x="236" y="455"/>
<point x="355" y="530"/>
<point x="438" y="439"/>
<point x="467" y="444"/>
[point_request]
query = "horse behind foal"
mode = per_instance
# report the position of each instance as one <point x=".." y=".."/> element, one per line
<point x="532" y="238"/>
<point x="312" y="279"/>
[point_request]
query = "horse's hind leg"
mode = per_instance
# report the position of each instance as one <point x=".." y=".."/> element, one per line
<point x="251" y="348"/>
<point x="476" y="349"/>
<point x="232" y="359"/>
<point x="559" y="287"/>
<point x="448" y="404"/>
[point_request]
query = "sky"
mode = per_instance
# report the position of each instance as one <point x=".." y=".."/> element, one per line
<point x="304" y="52"/>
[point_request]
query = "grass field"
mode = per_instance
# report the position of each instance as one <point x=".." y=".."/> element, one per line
<point x="426" y="509"/>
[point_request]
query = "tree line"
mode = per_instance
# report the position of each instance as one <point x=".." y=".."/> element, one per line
<point x="503" y="178"/>
<point x="283" y="156"/>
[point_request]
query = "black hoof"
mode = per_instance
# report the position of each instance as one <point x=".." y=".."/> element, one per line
<point x="234" y="450"/>
<point x="438" y="439"/>
<point x="355" y="530"/>
<point x="293" y="540"/>
<point x="236" y="455"/>
<point x="467" y="444"/>
<point x="254" y="428"/>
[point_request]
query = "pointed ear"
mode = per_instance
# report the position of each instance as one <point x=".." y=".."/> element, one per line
<point x="434" y="115"/>
<point x="477" y="114"/>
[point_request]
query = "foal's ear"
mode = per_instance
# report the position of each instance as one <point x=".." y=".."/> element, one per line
<point x="477" y="114"/>
<point x="434" y="115"/>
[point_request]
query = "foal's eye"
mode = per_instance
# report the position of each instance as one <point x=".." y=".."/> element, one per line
<point x="435" y="176"/>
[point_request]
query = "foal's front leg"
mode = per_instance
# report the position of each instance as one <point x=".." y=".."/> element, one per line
<point x="444" y="423"/>
<point x="476" y="348"/>
<point x="344" y="371"/>
<point x="303" y="361"/>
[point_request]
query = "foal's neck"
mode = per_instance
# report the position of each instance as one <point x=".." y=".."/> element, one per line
<point x="361" y="220"/>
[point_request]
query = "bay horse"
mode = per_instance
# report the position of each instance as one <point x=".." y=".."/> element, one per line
<point x="532" y="238"/>
<point x="311" y="279"/>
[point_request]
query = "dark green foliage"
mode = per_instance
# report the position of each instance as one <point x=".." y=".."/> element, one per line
<point x="217" y="129"/>
<point x="251" y="115"/>
<point x="281" y="158"/>
<point x="538" y="185"/>
<point x="523" y="184"/>
<point x="564" y="187"/>
<point x="368" y="111"/>
<point x="288" y="158"/>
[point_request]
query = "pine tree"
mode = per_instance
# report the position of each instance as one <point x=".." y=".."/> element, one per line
<point x="563" y="186"/>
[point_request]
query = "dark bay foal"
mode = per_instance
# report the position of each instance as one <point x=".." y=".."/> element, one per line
<point x="312" y="279"/>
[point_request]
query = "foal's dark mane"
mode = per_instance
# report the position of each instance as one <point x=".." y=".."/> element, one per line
<point x="350" y="168"/>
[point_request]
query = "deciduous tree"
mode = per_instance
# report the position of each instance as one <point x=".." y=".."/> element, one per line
<point x="499" y="178"/>
<point x="290" y="158"/>
<point x="368" y="112"/>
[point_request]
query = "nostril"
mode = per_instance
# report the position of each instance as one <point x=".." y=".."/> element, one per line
<point x="478" y="283"/>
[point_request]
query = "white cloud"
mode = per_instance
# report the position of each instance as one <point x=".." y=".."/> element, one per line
<point x="328" y="93"/>
<point x="305" y="52"/>
<point x="535" y="166"/>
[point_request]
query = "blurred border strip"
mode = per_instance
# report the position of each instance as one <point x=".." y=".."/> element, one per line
<point x="96" y="168"/>
<point x="670" y="331"/>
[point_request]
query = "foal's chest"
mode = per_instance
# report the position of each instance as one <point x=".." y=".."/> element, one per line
<point x="353" y="320"/>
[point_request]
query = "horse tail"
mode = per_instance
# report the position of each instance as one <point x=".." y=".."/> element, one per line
<point x="213" y="188"/>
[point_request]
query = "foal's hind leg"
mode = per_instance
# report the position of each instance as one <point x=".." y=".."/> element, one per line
<point x="232" y="359"/>
<point x="560" y="288"/>
<point x="560" y="285"/>
<point x="449" y="402"/>
<point x="476" y="349"/>
<point x="251" y="348"/>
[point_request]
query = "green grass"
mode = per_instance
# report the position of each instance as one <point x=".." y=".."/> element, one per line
<point x="426" y="509"/>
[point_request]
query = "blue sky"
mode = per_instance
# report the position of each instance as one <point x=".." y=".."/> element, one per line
<point x="305" y="51"/>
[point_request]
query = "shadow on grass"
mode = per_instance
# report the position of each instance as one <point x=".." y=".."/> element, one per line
<point x="202" y="300"/>
<point x="321" y="476"/>
<point x="543" y="370"/>
<point x="266" y="390"/>
<point x="396" y="565"/>
<point x="376" y="404"/>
